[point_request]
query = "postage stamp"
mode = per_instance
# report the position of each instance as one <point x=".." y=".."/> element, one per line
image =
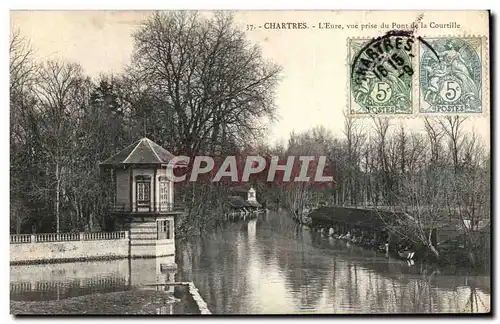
<point x="381" y="75"/>
<point x="451" y="76"/>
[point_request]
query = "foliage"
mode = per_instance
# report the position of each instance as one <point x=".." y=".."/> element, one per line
<point x="194" y="85"/>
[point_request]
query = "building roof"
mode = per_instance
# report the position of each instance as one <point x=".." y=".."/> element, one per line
<point x="242" y="188"/>
<point x="239" y="202"/>
<point x="252" y="203"/>
<point x="143" y="151"/>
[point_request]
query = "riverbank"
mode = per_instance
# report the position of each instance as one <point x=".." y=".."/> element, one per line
<point x="378" y="229"/>
<point x="271" y="265"/>
<point x="266" y="265"/>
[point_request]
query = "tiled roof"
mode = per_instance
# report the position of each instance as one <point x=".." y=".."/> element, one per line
<point x="144" y="151"/>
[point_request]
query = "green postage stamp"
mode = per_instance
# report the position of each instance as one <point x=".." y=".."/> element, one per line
<point x="381" y="76"/>
<point x="451" y="76"/>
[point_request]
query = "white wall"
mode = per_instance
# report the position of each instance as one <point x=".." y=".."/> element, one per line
<point x="54" y="251"/>
<point x="143" y="237"/>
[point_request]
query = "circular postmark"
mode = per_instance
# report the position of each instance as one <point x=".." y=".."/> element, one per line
<point x="382" y="73"/>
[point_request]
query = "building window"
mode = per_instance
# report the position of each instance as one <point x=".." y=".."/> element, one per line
<point x="164" y="231"/>
<point x="164" y="193"/>
<point x="143" y="193"/>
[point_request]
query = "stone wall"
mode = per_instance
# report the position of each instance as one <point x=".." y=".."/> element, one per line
<point x="195" y="295"/>
<point x="144" y="240"/>
<point x="68" y="251"/>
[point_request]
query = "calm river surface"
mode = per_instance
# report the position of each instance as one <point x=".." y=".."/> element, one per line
<point x="270" y="265"/>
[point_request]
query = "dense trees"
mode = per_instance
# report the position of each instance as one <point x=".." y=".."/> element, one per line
<point x="209" y="85"/>
<point x="57" y="139"/>
<point x="22" y="78"/>
<point x="194" y="85"/>
<point x="438" y="174"/>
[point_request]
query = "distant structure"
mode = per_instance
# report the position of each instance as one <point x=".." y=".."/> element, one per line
<point x="144" y="197"/>
<point x="244" y="199"/>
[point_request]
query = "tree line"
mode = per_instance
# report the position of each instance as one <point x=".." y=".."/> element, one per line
<point x="194" y="85"/>
<point x="197" y="86"/>
<point x="439" y="176"/>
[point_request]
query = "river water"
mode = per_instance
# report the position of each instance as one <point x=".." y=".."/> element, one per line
<point x="269" y="265"/>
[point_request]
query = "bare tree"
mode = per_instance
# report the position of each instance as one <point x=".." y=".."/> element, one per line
<point x="355" y="138"/>
<point x="302" y="196"/>
<point x="451" y="126"/>
<point x="416" y="160"/>
<point x="469" y="201"/>
<point x="205" y="76"/>
<point x="22" y="72"/>
<point x="58" y="94"/>
<point x="22" y="67"/>
<point x="381" y="127"/>
<point x="435" y="135"/>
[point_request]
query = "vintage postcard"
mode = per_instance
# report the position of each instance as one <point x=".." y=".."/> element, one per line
<point x="250" y="162"/>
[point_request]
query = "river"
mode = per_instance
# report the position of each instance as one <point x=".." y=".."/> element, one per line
<point x="270" y="265"/>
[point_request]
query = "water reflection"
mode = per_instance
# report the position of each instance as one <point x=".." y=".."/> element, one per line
<point x="270" y="265"/>
<point x="58" y="281"/>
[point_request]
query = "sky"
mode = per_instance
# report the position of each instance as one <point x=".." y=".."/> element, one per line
<point x="313" y="90"/>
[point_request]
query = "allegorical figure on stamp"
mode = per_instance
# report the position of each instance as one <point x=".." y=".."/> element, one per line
<point x="453" y="77"/>
<point x="458" y="68"/>
<point x="436" y="70"/>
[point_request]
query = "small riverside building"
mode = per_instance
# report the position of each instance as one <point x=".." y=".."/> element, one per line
<point x="252" y="202"/>
<point x="144" y="197"/>
<point x="244" y="199"/>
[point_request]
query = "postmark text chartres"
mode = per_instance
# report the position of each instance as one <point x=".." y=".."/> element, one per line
<point x="381" y="73"/>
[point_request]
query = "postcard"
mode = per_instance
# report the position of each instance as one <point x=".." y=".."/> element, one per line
<point x="250" y="162"/>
